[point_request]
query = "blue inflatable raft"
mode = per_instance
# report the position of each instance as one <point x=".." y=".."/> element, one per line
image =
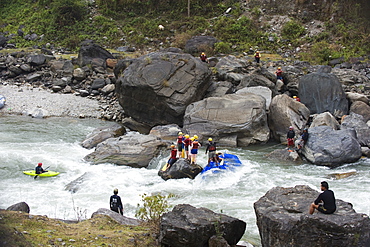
<point x="229" y="162"/>
<point x="2" y="101"/>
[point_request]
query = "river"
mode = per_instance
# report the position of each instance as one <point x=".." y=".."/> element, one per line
<point x="55" y="142"/>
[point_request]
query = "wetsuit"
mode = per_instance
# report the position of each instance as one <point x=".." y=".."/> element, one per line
<point x="328" y="198"/>
<point x="115" y="204"/>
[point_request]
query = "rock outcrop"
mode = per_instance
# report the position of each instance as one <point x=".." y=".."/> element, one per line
<point x="181" y="169"/>
<point x="101" y="134"/>
<point x="329" y="147"/>
<point x="234" y="120"/>
<point x="123" y="220"/>
<point x="283" y="221"/>
<point x="132" y="149"/>
<point x="322" y="92"/>
<point x="156" y="88"/>
<point x="285" y="112"/>
<point x="188" y="226"/>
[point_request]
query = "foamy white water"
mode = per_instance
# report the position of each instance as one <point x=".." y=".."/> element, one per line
<point x="55" y="142"/>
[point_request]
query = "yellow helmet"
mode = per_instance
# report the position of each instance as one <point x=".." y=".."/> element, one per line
<point x="192" y="139"/>
<point x="195" y="137"/>
<point x="180" y="133"/>
<point x="203" y="53"/>
<point x="172" y="146"/>
<point x="279" y="67"/>
<point x="210" y="139"/>
<point x="186" y="136"/>
<point x="294" y="97"/>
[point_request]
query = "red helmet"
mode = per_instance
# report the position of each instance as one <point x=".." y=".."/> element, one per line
<point x="39" y="164"/>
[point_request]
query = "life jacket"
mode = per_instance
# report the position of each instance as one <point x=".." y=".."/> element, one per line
<point x="195" y="145"/>
<point x="179" y="139"/>
<point x="203" y="57"/>
<point x="257" y="55"/>
<point x="187" y="142"/>
<point x="173" y="153"/>
<point x="212" y="146"/>
<point x="279" y="72"/>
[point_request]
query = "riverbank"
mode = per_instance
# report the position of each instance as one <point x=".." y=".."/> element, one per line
<point x="23" y="100"/>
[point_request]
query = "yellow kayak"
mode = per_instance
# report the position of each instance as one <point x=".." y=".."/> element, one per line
<point x="45" y="174"/>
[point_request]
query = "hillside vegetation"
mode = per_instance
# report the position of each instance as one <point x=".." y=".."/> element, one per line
<point x="241" y="26"/>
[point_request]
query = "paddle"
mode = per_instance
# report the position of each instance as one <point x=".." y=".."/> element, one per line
<point x="40" y="173"/>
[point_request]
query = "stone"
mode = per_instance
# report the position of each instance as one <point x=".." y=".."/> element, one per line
<point x="90" y="51"/>
<point x="101" y="134"/>
<point x="166" y="132"/>
<point x="361" y="108"/>
<point x="283" y="221"/>
<point x="120" y="219"/>
<point x="188" y="226"/>
<point x="181" y="169"/>
<point x="20" y="206"/>
<point x="325" y="119"/>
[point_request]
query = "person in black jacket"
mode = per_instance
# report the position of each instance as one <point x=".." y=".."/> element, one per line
<point x="325" y="202"/>
<point x="39" y="169"/>
<point x="211" y="149"/>
<point x="116" y="203"/>
<point x="290" y="137"/>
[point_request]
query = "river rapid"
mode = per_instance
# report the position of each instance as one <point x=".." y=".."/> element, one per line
<point x="55" y="142"/>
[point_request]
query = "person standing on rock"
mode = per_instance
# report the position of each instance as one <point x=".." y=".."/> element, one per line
<point x="180" y="144"/>
<point x="203" y="57"/>
<point x="194" y="149"/>
<point x="279" y="74"/>
<point x="325" y="202"/>
<point x="116" y="203"/>
<point x="290" y="138"/>
<point x="257" y="56"/>
<point x="187" y="144"/>
<point x="211" y="149"/>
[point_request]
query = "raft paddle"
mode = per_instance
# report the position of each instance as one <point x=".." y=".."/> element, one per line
<point x="40" y="173"/>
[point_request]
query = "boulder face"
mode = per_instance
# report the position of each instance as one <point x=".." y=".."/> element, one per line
<point x="181" y="169"/>
<point x="188" y="226"/>
<point x="132" y="149"/>
<point x="325" y="119"/>
<point x="329" y="147"/>
<point x="240" y="117"/>
<point x="101" y="134"/>
<point x="156" y="88"/>
<point x="285" y="112"/>
<point x="322" y="92"/>
<point x="91" y="53"/>
<point x="283" y="221"/>
<point x="123" y="220"/>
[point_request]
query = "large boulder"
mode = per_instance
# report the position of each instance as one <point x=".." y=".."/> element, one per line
<point x="234" y="120"/>
<point x="181" y="169"/>
<point x="120" y="219"/>
<point x="132" y="149"/>
<point x="166" y="132"/>
<point x="156" y="88"/>
<point x="283" y="221"/>
<point x="322" y="92"/>
<point x="285" y="112"/>
<point x="198" y="44"/>
<point x="101" y="134"/>
<point x="231" y="68"/>
<point x="357" y="123"/>
<point x="91" y="53"/>
<point x="362" y="109"/>
<point x="325" y="119"/>
<point x="329" y="147"/>
<point x="255" y="80"/>
<point x="20" y="206"/>
<point x="188" y="226"/>
<point x="259" y="90"/>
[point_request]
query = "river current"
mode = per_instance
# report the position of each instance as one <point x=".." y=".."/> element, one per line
<point x="55" y="142"/>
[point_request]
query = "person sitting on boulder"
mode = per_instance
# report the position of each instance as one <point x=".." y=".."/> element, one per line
<point x="290" y="137"/>
<point x="173" y="157"/>
<point x="304" y="139"/>
<point x="39" y="169"/>
<point x="325" y="202"/>
<point x="296" y="98"/>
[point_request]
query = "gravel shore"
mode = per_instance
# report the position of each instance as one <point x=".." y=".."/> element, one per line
<point x="26" y="100"/>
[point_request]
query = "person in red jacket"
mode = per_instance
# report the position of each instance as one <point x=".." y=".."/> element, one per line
<point x="279" y="73"/>
<point x="187" y="144"/>
<point x="173" y="157"/>
<point x="203" y="57"/>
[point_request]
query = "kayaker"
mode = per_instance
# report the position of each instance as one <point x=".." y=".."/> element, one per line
<point x="39" y="169"/>
<point x="116" y="203"/>
<point x="211" y="149"/>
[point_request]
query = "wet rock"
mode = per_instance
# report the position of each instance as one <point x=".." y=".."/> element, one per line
<point x="20" y="206"/>
<point x="101" y="134"/>
<point x="181" y="169"/>
<point x="166" y="132"/>
<point x="284" y="155"/>
<point x="325" y="119"/>
<point x="123" y="220"/>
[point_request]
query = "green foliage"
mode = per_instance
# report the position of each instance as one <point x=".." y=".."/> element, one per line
<point x="153" y="207"/>
<point x="68" y="12"/>
<point x="222" y="47"/>
<point x="292" y="30"/>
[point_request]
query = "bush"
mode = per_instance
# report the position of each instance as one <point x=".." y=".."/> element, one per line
<point x="292" y="30"/>
<point x="222" y="47"/>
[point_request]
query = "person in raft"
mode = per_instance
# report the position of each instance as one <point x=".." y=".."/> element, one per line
<point x="211" y="149"/>
<point x="173" y="157"/>
<point x="290" y="137"/>
<point x="325" y="202"/>
<point x="116" y="203"/>
<point x="194" y="149"/>
<point x="39" y="169"/>
<point x="187" y="144"/>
